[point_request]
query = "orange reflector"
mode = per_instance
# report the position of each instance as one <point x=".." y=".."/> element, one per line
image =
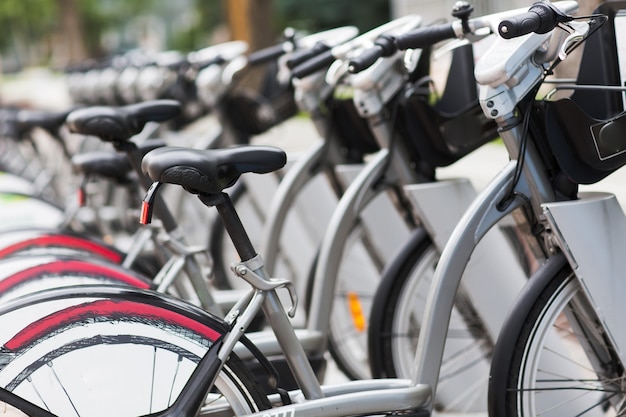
<point x="356" y="311"/>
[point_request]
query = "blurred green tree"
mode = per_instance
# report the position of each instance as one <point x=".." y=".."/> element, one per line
<point x="314" y="15"/>
<point x="25" y="26"/>
<point x="62" y="32"/>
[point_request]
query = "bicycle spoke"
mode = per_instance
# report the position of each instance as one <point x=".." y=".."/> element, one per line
<point x="34" y="387"/>
<point x="56" y="377"/>
<point x="170" y="399"/>
<point x="153" y="377"/>
<point x="470" y="394"/>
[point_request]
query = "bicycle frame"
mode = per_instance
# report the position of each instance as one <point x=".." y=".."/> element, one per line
<point x="350" y="398"/>
<point x="482" y="215"/>
<point x="487" y="210"/>
<point x="322" y="158"/>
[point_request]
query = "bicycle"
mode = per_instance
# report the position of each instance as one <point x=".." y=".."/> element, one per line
<point x="34" y="165"/>
<point x="337" y="159"/>
<point x="377" y="396"/>
<point x="397" y="312"/>
<point x="544" y="181"/>
<point x="354" y="243"/>
<point x="562" y="305"/>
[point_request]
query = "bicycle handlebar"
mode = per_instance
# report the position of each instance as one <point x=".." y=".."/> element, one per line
<point x="314" y="64"/>
<point x="268" y="54"/>
<point x="542" y="17"/>
<point x="304" y="55"/>
<point x="386" y="45"/>
<point x="426" y="36"/>
<point x="218" y="60"/>
<point x="383" y="46"/>
<point x="381" y="36"/>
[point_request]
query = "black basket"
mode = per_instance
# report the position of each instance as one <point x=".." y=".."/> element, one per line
<point x="587" y="131"/>
<point x="253" y="114"/>
<point x="443" y="133"/>
<point x="351" y="130"/>
<point x="254" y="111"/>
<point x="586" y="149"/>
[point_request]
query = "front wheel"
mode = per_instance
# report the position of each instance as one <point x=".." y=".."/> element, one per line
<point x="553" y="357"/>
<point x="396" y="319"/>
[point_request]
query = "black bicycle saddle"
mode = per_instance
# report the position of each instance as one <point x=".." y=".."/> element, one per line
<point x="104" y="164"/>
<point x="119" y="124"/>
<point x="210" y="171"/>
<point x="110" y="164"/>
<point x="49" y="120"/>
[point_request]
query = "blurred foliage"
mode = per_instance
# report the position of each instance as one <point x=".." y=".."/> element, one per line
<point x="198" y="33"/>
<point x="26" y="20"/>
<point x="32" y="27"/>
<point x="99" y="16"/>
<point x="315" y="15"/>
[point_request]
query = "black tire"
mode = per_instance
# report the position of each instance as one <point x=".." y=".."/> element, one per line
<point x="110" y="355"/>
<point x="553" y="357"/>
<point x="380" y="337"/>
<point x="395" y="323"/>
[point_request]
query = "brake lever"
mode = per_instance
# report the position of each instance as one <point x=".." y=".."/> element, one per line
<point x="577" y="34"/>
<point x="563" y="42"/>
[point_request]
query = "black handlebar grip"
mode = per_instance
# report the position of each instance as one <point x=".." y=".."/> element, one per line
<point x="365" y="60"/>
<point x="384" y="45"/>
<point x="207" y="63"/>
<point x="314" y="64"/>
<point x="424" y="37"/>
<point x="540" y="18"/>
<point x="303" y="55"/>
<point x="266" y="54"/>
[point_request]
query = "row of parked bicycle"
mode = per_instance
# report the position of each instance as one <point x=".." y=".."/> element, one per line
<point x="430" y="296"/>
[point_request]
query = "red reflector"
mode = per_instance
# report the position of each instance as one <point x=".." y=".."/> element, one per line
<point x="82" y="197"/>
<point x="146" y="204"/>
<point x="146" y="213"/>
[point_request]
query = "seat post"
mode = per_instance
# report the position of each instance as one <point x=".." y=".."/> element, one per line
<point x="232" y="224"/>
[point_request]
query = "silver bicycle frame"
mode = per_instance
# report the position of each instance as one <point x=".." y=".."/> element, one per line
<point x="355" y="198"/>
<point x="313" y="163"/>
<point x="376" y="396"/>
<point x="498" y="101"/>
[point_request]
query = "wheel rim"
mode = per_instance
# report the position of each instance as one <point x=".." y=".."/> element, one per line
<point x="351" y="306"/>
<point x="462" y="382"/>
<point x="558" y="377"/>
<point x="408" y="313"/>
